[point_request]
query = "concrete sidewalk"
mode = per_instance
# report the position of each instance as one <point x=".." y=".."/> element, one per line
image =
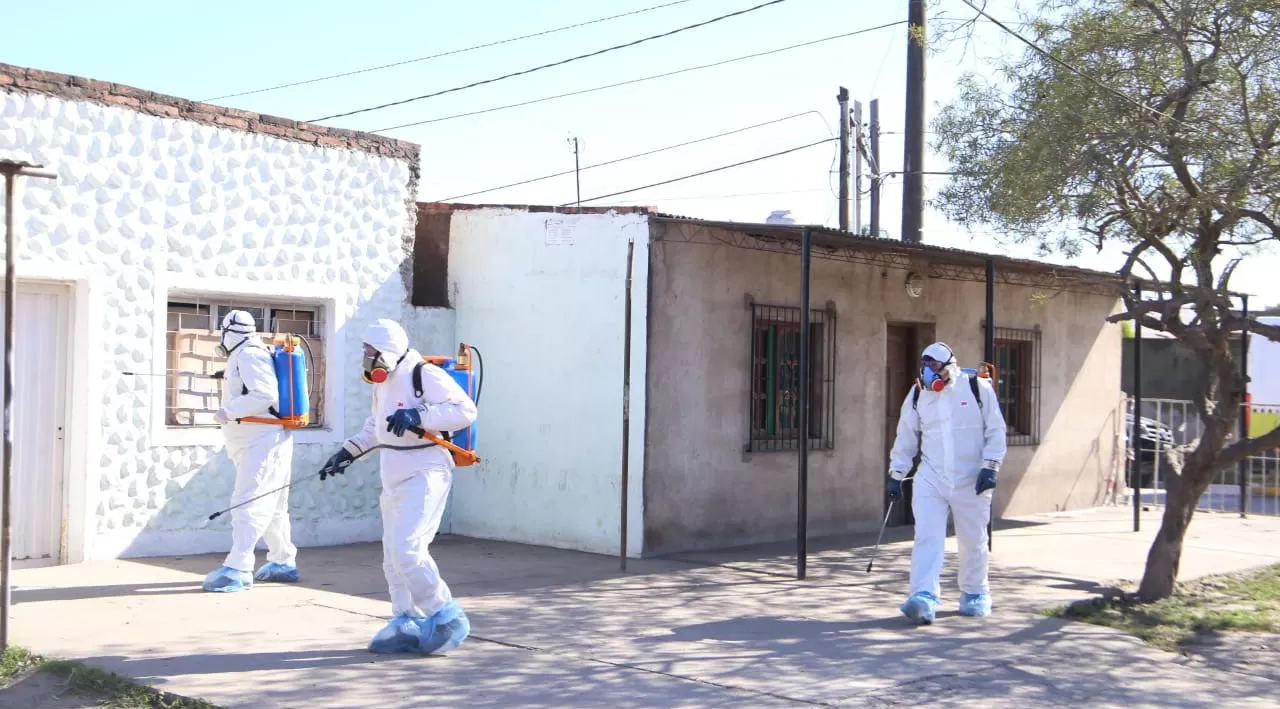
<point x="561" y="629"/>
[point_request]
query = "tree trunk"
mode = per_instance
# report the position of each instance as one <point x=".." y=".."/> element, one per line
<point x="1166" y="551"/>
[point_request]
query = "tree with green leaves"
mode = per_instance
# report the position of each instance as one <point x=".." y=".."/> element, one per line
<point x="1152" y="124"/>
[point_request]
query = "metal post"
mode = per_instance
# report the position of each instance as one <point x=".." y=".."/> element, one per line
<point x="802" y="512"/>
<point x="989" y="356"/>
<point x="913" y="144"/>
<point x="874" y="139"/>
<point x="1244" y="466"/>
<point x="626" y="402"/>
<point x="577" y="174"/>
<point x="10" y="170"/>
<point x="857" y="167"/>
<point x="1135" y="439"/>
<point x="843" y="98"/>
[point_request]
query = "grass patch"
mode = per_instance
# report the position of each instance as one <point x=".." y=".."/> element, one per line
<point x="106" y="689"/>
<point x="14" y="661"/>
<point x="1248" y="601"/>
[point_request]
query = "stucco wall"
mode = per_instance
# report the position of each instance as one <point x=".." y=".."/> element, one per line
<point x="702" y="491"/>
<point x="146" y="204"/>
<point x="546" y="310"/>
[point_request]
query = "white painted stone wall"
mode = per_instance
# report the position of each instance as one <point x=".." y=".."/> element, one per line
<point x="144" y="204"/>
<point x="541" y="295"/>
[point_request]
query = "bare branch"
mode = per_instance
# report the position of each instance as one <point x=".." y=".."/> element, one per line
<point x="1249" y="447"/>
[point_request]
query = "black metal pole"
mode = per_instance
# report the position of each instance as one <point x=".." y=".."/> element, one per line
<point x="10" y="295"/>
<point x="1135" y="439"/>
<point x="874" y="140"/>
<point x="989" y="356"/>
<point x="913" y="144"/>
<point x="626" y="402"/>
<point x="1244" y="466"/>
<point x="802" y="496"/>
<point x="843" y="98"/>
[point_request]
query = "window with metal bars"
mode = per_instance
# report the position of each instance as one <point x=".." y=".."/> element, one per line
<point x="775" y="379"/>
<point x="1018" y="383"/>
<point x="193" y="394"/>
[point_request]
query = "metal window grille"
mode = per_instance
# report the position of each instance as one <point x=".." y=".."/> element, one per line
<point x="774" y="423"/>
<point x="1018" y="383"/>
<point x="193" y="331"/>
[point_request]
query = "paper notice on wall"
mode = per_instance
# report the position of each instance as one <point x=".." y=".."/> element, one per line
<point x="560" y="233"/>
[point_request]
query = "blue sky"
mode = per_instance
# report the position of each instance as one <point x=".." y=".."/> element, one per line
<point x="242" y="46"/>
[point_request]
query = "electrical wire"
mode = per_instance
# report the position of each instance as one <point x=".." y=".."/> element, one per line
<point x="632" y="157"/>
<point x="704" y="172"/>
<point x="562" y="62"/>
<point x="641" y="79"/>
<point x="448" y="53"/>
<point x="1049" y="55"/>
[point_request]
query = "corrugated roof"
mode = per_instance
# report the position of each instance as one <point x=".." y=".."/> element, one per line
<point x="827" y="237"/>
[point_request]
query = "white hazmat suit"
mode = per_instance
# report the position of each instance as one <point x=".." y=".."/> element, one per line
<point x="416" y="476"/>
<point x="263" y="457"/>
<point x="960" y="442"/>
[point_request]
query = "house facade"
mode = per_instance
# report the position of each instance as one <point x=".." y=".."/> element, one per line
<point x="166" y="214"/>
<point x="711" y="420"/>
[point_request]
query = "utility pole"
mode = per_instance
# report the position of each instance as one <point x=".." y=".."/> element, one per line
<point x="843" y="98"/>
<point x="874" y="139"/>
<point x="858" y="149"/>
<point x="10" y="170"/>
<point x="913" y="145"/>
<point x="577" y="182"/>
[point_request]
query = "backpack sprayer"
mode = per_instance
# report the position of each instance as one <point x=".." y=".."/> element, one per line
<point x="291" y="379"/>
<point x="465" y="373"/>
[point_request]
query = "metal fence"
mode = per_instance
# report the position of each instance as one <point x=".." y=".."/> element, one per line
<point x="1167" y="423"/>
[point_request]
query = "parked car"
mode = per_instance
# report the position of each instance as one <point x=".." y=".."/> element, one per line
<point x="1154" y="437"/>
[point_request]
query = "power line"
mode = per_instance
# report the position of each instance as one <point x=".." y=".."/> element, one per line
<point x="708" y="172"/>
<point x="449" y="53"/>
<point x="554" y="64"/>
<point x="641" y="79"/>
<point x="631" y="157"/>
<point x="651" y="200"/>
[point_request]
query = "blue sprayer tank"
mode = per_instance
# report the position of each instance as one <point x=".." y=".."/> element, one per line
<point x="462" y="370"/>
<point x="291" y="375"/>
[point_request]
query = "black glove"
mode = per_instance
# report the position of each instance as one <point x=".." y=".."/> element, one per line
<point x="986" y="480"/>
<point x="337" y="464"/>
<point x="895" y="490"/>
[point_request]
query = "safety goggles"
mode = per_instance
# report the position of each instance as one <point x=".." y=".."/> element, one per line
<point x="932" y="364"/>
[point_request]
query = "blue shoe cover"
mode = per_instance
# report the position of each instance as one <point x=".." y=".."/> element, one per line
<point x="975" y="604"/>
<point x="399" y="635"/>
<point x="279" y="573"/>
<point x="228" y="580"/>
<point x="444" y="631"/>
<point x="920" y="608"/>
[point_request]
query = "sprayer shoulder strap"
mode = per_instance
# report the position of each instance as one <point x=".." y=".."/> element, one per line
<point x="417" y="391"/>
<point x="245" y="390"/>
<point x="973" y="386"/>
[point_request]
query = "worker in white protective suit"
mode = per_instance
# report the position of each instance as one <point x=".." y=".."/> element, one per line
<point x="263" y="457"/>
<point x="954" y="421"/>
<point x="416" y="477"/>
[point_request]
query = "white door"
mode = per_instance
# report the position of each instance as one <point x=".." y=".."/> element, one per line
<point x="39" y="420"/>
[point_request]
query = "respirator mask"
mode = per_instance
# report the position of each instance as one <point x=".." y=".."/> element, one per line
<point x="933" y="372"/>
<point x="376" y="369"/>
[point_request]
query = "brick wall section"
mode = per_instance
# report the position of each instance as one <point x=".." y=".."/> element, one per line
<point x="76" y="88"/>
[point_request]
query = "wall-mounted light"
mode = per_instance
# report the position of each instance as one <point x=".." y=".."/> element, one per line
<point x="915" y="285"/>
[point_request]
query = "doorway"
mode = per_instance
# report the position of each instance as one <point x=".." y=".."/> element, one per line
<point x="904" y="342"/>
<point x="40" y="358"/>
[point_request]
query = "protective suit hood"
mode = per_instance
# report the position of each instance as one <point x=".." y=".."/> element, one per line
<point x="237" y="327"/>
<point x="948" y="372"/>
<point x="386" y="344"/>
